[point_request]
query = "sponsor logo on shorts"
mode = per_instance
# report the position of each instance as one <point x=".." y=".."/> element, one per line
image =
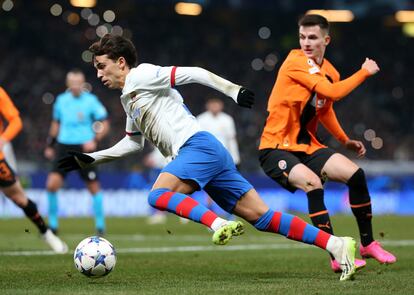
<point x="282" y="164"/>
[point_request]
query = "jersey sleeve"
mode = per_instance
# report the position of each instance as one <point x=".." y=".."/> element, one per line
<point x="338" y="90"/>
<point x="131" y="129"/>
<point x="304" y="71"/>
<point x="330" y="122"/>
<point x="56" y="115"/>
<point x="11" y="115"/>
<point x="187" y="75"/>
<point x="148" y="77"/>
<point x="99" y="111"/>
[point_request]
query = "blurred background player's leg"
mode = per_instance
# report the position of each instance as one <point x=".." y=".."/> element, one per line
<point x="53" y="184"/>
<point x="92" y="183"/>
<point x="14" y="191"/>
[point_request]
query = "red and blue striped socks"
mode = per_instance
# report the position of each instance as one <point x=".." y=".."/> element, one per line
<point x="184" y="206"/>
<point x="293" y="228"/>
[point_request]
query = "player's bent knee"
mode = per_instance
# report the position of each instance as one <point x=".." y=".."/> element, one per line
<point x="312" y="184"/>
<point x="155" y="195"/>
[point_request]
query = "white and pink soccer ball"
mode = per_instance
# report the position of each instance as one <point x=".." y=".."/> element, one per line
<point x="94" y="257"/>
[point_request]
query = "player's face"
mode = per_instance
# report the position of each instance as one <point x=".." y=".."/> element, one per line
<point x="109" y="72"/>
<point x="75" y="83"/>
<point x="215" y="106"/>
<point x="313" y="41"/>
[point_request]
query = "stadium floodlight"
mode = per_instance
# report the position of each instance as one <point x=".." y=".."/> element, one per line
<point x="185" y="8"/>
<point x="334" y="15"/>
<point x="83" y="3"/>
<point x="405" y="16"/>
<point x="408" y="29"/>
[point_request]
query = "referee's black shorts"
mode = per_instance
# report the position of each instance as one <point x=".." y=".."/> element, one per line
<point x="88" y="174"/>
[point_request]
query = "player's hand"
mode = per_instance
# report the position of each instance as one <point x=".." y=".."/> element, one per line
<point x="371" y="66"/>
<point x="74" y="161"/>
<point x="49" y="153"/>
<point x="356" y="146"/>
<point x="89" y="146"/>
<point x="245" y="98"/>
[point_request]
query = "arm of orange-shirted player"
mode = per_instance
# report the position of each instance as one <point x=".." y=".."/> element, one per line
<point x="338" y="90"/>
<point x="330" y="122"/>
<point x="11" y="115"/>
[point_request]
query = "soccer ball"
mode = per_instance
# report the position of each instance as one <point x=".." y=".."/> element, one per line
<point x="94" y="257"/>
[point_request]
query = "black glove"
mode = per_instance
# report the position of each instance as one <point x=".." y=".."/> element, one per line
<point x="245" y="98"/>
<point x="70" y="163"/>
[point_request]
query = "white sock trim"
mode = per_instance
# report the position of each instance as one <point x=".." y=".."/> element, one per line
<point x="217" y="223"/>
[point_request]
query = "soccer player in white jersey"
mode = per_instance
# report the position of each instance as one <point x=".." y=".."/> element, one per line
<point x="197" y="160"/>
<point x="221" y="125"/>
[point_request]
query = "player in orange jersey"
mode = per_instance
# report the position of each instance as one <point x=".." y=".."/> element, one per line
<point x="291" y="154"/>
<point x="11" y="186"/>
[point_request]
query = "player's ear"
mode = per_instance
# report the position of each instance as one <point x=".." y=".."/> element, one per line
<point x="121" y="62"/>
<point x="327" y="40"/>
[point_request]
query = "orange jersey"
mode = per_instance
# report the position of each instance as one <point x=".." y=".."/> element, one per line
<point x="295" y="108"/>
<point x="10" y="114"/>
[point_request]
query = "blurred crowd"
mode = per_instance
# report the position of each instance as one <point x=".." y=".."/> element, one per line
<point x="245" y="45"/>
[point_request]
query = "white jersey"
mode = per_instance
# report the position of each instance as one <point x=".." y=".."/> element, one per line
<point x="156" y="109"/>
<point x="223" y="128"/>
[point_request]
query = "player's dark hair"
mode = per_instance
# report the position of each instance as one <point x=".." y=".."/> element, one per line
<point x="115" y="46"/>
<point x="310" y="20"/>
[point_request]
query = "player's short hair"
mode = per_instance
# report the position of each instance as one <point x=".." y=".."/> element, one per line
<point x="115" y="46"/>
<point x="76" y="71"/>
<point x="214" y="99"/>
<point x="310" y="20"/>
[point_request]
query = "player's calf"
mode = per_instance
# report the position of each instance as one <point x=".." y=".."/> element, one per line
<point x="184" y="206"/>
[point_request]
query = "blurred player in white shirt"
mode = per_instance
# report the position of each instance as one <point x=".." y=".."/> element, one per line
<point x="221" y="125"/>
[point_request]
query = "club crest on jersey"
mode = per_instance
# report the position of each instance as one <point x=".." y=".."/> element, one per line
<point x="320" y="102"/>
<point x="282" y="164"/>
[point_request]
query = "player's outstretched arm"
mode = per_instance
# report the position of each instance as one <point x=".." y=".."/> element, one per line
<point x="241" y="95"/>
<point x="126" y="146"/>
<point x="74" y="161"/>
<point x="338" y="90"/>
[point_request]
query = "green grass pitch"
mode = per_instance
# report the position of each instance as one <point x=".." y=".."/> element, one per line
<point x="177" y="258"/>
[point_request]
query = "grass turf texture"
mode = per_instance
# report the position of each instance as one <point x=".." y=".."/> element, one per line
<point x="274" y="265"/>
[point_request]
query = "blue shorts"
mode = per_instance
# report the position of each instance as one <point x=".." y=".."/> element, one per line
<point x="206" y="161"/>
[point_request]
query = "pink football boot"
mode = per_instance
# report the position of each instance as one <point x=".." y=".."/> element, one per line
<point x="359" y="264"/>
<point x="374" y="250"/>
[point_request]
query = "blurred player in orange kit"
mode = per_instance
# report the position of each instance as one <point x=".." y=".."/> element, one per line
<point x="290" y="152"/>
<point x="9" y="184"/>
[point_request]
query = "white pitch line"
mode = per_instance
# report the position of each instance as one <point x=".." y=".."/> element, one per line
<point x="275" y="246"/>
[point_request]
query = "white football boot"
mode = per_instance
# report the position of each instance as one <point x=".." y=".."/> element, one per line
<point x="345" y="255"/>
<point x="54" y="242"/>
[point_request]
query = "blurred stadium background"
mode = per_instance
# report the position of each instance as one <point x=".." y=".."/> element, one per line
<point x="243" y="40"/>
